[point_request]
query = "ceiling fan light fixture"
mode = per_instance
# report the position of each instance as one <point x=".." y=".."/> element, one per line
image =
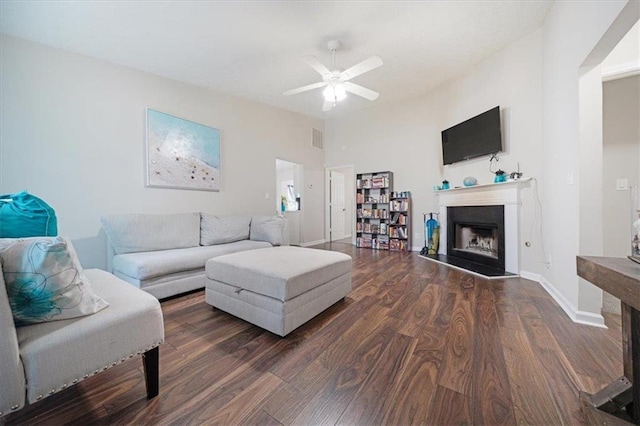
<point x="340" y="92"/>
<point x="334" y="92"/>
<point x="337" y="82"/>
<point x="329" y="93"/>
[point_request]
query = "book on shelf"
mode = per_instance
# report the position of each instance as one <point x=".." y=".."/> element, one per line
<point x="379" y="181"/>
<point x="402" y="232"/>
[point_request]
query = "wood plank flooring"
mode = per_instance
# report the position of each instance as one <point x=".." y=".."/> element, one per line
<point x="414" y="343"/>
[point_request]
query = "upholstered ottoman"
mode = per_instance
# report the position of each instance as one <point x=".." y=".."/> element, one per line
<point x="277" y="288"/>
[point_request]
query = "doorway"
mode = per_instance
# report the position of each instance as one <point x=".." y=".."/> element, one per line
<point x="339" y="205"/>
<point x="288" y="197"/>
<point x="621" y="148"/>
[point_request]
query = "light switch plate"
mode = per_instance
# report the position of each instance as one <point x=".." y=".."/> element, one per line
<point x="622" y="184"/>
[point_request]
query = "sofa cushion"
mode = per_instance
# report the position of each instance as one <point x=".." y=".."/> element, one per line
<point x="45" y="281"/>
<point x="223" y="229"/>
<point x="59" y="353"/>
<point x="132" y="233"/>
<point x="268" y="228"/>
<point x="142" y="266"/>
<point x="12" y="371"/>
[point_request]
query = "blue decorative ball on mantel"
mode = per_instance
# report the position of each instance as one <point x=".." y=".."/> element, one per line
<point x="470" y="181"/>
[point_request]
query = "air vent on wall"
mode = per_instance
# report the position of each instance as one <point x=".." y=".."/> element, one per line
<point x="316" y="139"/>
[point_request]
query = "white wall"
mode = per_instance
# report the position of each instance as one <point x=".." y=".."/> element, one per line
<point x="405" y="138"/>
<point x="72" y="132"/>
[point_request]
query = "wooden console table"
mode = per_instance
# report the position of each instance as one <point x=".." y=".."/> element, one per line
<point x="621" y="278"/>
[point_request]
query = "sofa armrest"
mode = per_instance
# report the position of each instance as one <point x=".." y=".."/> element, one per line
<point x="111" y="252"/>
<point x="12" y="380"/>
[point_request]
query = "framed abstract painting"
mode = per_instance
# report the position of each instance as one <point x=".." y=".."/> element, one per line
<point x="181" y="154"/>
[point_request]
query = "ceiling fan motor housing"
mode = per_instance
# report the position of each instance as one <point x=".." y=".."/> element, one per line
<point x="334" y="45"/>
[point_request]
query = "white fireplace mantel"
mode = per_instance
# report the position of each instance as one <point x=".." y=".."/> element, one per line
<point x="506" y="194"/>
<point x="493" y="194"/>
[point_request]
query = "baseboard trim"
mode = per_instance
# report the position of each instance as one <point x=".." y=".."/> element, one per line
<point x="313" y="243"/>
<point x="580" y="317"/>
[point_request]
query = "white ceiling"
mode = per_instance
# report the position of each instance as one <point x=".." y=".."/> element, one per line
<point x="254" y="49"/>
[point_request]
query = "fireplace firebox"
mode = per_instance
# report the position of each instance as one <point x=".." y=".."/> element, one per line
<point x="476" y="234"/>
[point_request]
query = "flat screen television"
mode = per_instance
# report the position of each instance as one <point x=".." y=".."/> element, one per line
<point x="473" y="138"/>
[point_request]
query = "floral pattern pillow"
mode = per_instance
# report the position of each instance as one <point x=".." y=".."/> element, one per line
<point x="45" y="281"/>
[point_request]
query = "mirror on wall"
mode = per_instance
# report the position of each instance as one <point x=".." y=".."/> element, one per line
<point x="289" y="187"/>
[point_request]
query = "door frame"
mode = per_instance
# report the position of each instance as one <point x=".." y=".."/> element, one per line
<point x="350" y="176"/>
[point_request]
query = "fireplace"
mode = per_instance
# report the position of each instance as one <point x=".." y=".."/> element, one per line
<point x="476" y="234"/>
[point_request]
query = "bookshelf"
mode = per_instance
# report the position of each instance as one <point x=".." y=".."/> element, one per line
<point x="400" y="221"/>
<point x="372" y="209"/>
<point x="383" y="216"/>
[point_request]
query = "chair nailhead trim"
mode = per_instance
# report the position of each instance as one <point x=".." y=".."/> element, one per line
<point x="0" y="413"/>
<point x="15" y="407"/>
<point x="86" y="376"/>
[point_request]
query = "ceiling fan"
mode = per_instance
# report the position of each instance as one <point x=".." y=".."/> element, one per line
<point x="337" y="81"/>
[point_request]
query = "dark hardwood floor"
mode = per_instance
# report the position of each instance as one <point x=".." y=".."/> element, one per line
<point x="414" y="343"/>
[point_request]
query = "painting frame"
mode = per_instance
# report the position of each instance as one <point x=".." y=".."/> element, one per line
<point x="181" y="153"/>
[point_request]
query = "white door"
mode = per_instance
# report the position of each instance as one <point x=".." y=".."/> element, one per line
<point x="337" y="205"/>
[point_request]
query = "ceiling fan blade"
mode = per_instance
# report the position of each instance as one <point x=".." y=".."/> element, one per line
<point x="360" y="91"/>
<point x="314" y="63"/>
<point x="364" y="66"/>
<point x="305" y="88"/>
<point x="328" y="105"/>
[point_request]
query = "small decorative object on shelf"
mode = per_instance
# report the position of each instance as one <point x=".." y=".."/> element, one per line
<point x="516" y="175"/>
<point x="470" y="181"/>
<point x="501" y="176"/>
<point x="445" y="184"/>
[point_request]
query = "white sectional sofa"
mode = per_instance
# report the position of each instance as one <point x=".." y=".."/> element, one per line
<point x="165" y="254"/>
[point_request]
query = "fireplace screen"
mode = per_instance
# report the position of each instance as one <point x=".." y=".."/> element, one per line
<point x="479" y="240"/>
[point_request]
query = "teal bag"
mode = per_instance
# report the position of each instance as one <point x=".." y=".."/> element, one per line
<point x="24" y="215"/>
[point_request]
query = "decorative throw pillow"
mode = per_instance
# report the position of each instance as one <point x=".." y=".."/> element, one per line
<point x="223" y="229"/>
<point x="45" y="281"/>
<point x="24" y="215"/>
<point x="267" y="228"/>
